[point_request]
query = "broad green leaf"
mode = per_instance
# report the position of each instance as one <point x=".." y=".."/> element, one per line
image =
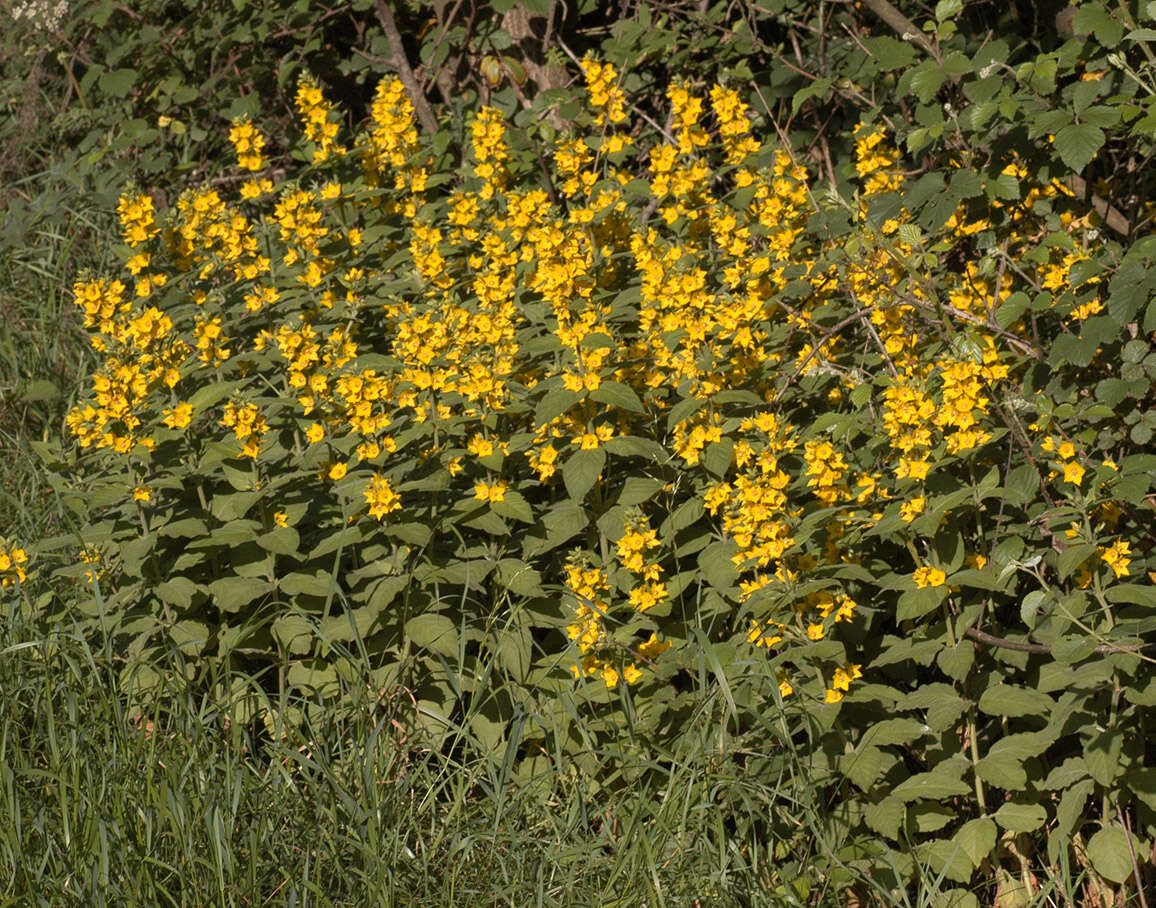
<point x="1011" y="701"/>
<point x="294" y="632"/>
<point x="118" y="82"/>
<point x="1073" y="648"/>
<point x="1111" y="854"/>
<point x="190" y="636"/>
<point x="554" y="404"/>
<point x="618" y="395"/>
<point x="1102" y="756"/>
<point x="434" y="632"/>
<point x="1003" y="764"/>
<point x="945" y="781"/>
<point x="638" y="489"/>
<point x="717" y="567"/>
<point x="519" y="578"/>
<point x="976" y="838"/>
<point x="280" y="541"/>
<point x="581" y="471"/>
<point x="1021" y="817"/>
<point x="231" y="594"/>
<point x="315" y="583"/>
<point x="1078" y="143"/>
<point x="178" y="591"/>
<point x="514" y="506"/>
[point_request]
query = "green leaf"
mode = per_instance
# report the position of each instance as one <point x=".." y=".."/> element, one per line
<point x="1071" y="807"/>
<point x="385" y="592"/>
<point x="190" y="636"/>
<point x="514" y="506"/>
<point x="316" y="583"/>
<point x="1003" y="764"/>
<point x="117" y="82"/>
<point x="633" y="446"/>
<point x="638" y="489"/>
<point x="1072" y="557"/>
<point x="1110" y="854"/>
<point x="519" y="578"/>
<point x="1093" y="18"/>
<point x="1078" y="143"/>
<point x="1021" y="817"/>
<point x="554" y="404"/>
<point x="178" y="591"/>
<point x="976" y="838"/>
<point x="581" y="472"/>
<point x="717" y="568"/>
<point x="1011" y="701"/>
<point x="434" y="632"/>
<point x="294" y="632"/>
<point x="280" y="541"/>
<point x="716" y="458"/>
<point x="1102" y="756"/>
<point x="618" y="395"/>
<point x="945" y="781"/>
<point x="231" y="594"/>
<point x="1072" y="648"/>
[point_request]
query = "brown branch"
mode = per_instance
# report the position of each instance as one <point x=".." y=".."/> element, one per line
<point x="1103" y="649"/>
<point x="904" y="27"/>
<point x="404" y="70"/>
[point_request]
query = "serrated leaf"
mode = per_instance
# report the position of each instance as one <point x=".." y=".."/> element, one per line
<point x="1078" y="143"/>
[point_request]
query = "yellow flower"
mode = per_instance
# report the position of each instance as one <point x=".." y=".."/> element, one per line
<point x="653" y="648"/>
<point x="631" y="673"/>
<point x="179" y="416"/>
<point x="315" y="433"/>
<point x="1115" y="557"/>
<point x="142" y="493"/>
<point x="929" y="576"/>
<point x="1073" y="472"/>
<point x="281" y="519"/>
<point x="492" y="491"/>
<point x="381" y="497"/>
<point x="909" y="510"/>
<point x="338" y="471"/>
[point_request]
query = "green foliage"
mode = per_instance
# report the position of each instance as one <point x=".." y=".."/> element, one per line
<point x="947" y="374"/>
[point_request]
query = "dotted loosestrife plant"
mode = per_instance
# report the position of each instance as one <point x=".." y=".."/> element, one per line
<point x="586" y="423"/>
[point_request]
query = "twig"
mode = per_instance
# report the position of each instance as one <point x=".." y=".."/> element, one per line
<point x="1103" y="649"/>
<point x="904" y="27"/>
<point x="1132" y="852"/>
<point x="404" y="71"/>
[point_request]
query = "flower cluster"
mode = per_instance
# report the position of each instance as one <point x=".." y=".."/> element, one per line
<point x="12" y="564"/>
